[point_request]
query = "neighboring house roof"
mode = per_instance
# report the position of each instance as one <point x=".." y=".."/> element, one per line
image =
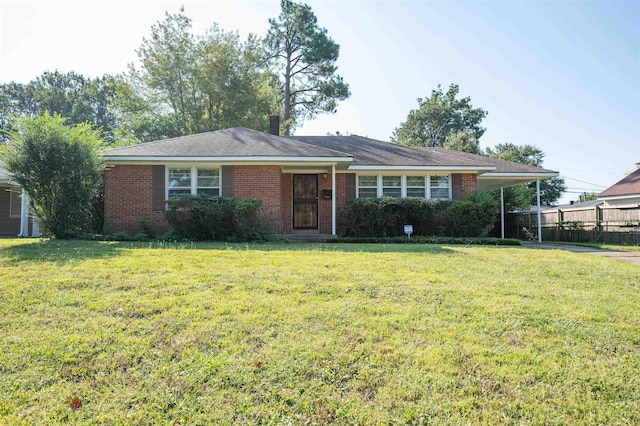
<point x="5" y="176"/>
<point x="238" y="145"/>
<point x="630" y="185"/>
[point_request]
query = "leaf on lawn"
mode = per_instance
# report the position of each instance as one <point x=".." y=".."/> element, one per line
<point x="75" y="403"/>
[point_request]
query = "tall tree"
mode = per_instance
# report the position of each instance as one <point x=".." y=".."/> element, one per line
<point x="60" y="168"/>
<point x="464" y="142"/>
<point x="438" y="118"/>
<point x="550" y="189"/>
<point x="305" y="57"/>
<point x="190" y="84"/>
<point x="78" y="99"/>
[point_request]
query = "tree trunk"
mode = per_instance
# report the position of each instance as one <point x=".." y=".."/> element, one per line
<point x="287" y="97"/>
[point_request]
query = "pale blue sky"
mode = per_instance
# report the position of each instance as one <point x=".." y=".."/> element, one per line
<point x="561" y="75"/>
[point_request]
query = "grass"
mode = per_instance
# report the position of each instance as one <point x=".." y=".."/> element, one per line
<point x="147" y="334"/>
<point x="605" y="246"/>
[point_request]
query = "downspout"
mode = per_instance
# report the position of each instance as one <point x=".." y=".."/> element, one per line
<point x="502" y="212"/>
<point x="539" y="214"/>
<point x="333" y="200"/>
<point x="24" y="215"/>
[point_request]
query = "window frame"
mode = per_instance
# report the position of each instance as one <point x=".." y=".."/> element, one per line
<point x="193" y="185"/>
<point x="404" y="178"/>
<point x="431" y="187"/>
<point x="358" y="186"/>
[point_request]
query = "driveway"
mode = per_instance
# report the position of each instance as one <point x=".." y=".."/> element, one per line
<point x="628" y="256"/>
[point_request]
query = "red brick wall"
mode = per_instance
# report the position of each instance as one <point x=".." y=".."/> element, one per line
<point x="287" y="203"/>
<point x="264" y="182"/>
<point x="469" y="183"/>
<point x="325" y="204"/>
<point x="127" y="197"/>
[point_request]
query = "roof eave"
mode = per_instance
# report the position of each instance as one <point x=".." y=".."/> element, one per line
<point x="536" y="175"/>
<point x="237" y="159"/>
<point x="479" y="169"/>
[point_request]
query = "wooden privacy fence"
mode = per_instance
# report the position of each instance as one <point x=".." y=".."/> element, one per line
<point x="603" y="224"/>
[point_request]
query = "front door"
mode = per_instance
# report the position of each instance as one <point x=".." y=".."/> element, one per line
<point x="305" y="201"/>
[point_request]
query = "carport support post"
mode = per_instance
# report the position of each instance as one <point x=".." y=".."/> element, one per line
<point x="539" y="215"/>
<point x="333" y="199"/>
<point x="24" y="215"/>
<point x="502" y="212"/>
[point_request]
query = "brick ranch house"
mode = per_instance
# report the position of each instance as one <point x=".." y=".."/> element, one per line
<point x="303" y="181"/>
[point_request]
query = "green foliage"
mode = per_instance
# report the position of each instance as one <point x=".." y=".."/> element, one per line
<point x="482" y="241"/>
<point x="60" y="168"/>
<point x="551" y="189"/>
<point x="190" y="84"/>
<point x="201" y="217"/>
<point x="471" y="217"/>
<point x="207" y="218"/>
<point x="523" y="154"/>
<point x="74" y="97"/>
<point x="438" y="118"/>
<point x="571" y="225"/>
<point x="587" y="196"/>
<point x="304" y="56"/>
<point x="386" y="217"/>
<point x="463" y="142"/>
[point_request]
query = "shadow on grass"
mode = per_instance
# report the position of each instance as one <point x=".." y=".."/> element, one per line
<point x="328" y="247"/>
<point x="60" y="251"/>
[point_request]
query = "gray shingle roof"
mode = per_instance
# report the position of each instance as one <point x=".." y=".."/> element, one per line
<point x="371" y="152"/>
<point x="243" y="142"/>
<point x="629" y="185"/>
<point x="235" y="142"/>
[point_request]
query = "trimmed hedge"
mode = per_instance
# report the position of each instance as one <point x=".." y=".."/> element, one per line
<point x="486" y="241"/>
<point x="207" y="218"/>
<point x="386" y="217"/>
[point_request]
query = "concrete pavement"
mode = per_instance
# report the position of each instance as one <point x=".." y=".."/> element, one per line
<point x="628" y="256"/>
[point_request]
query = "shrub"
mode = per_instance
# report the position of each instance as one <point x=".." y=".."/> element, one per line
<point x="203" y="217"/>
<point x="470" y="217"/>
<point x="60" y="168"/>
<point x="386" y="217"/>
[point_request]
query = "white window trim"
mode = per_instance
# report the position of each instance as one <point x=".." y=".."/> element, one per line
<point x="194" y="177"/>
<point x="450" y="186"/>
<point x="427" y="183"/>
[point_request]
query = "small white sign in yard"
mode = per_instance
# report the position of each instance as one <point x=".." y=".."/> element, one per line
<point x="408" y="229"/>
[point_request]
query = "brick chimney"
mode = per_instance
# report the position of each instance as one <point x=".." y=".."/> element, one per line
<point x="274" y="124"/>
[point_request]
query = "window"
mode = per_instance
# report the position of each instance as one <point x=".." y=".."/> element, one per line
<point x="193" y="180"/>
<point x="15" y="203"/>
<point x="367" y="186"/>
<point x="439" y="187"/>
<point x="179" y="182"/>
<point x="208" y="182"/>
<point x="416" y="187"/>
<point x="429" y="187"/>
<point x="392" y="186"/>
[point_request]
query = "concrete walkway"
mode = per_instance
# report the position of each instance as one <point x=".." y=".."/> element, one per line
<point x="628" y="256"/>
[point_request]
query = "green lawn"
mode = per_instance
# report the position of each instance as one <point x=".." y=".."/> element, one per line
<point x="307" y="334"/>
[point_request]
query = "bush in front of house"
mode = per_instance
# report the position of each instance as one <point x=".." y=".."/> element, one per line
<point x="470" y="217"/>
<point x="60" y="167"/>
<point x="207" y="218"/>
<point x="385" y="217"/>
